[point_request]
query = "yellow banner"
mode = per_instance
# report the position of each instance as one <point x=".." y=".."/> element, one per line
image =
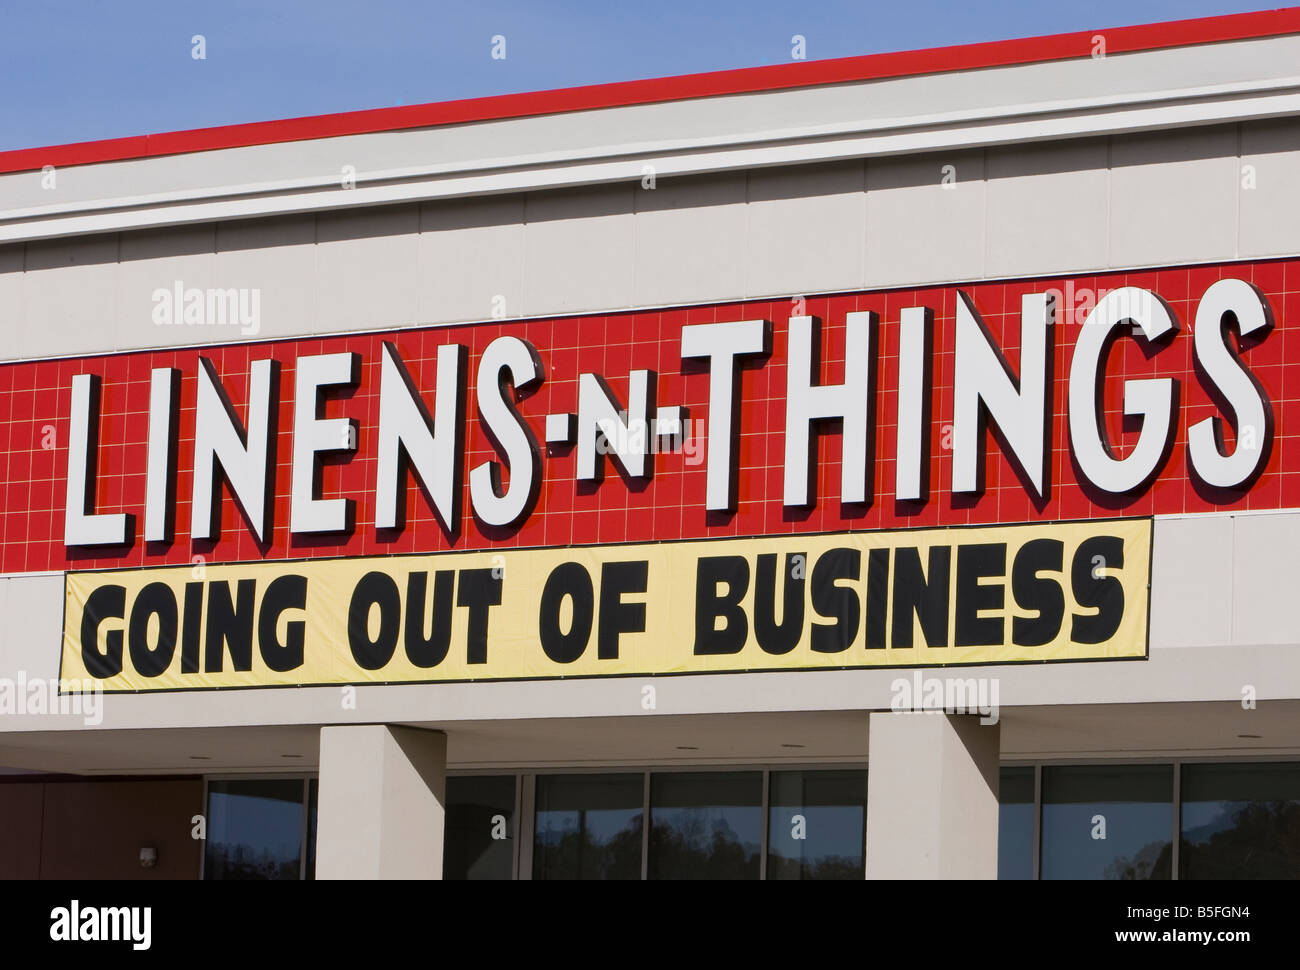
<point x="1002" y="594"/>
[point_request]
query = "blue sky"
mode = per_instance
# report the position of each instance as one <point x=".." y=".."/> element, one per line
<point x="78" y="71"/>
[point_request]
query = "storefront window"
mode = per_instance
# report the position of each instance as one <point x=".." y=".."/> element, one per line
<point x="255" y="829"/>
<point x="1240" y="821"/>
<point x="817" y="825"/>
<point x="588" y="827"/>
<point x="1016" y="824"/>
<point x="1108" y="822"/>
<point x="479" y="840"/>
<point x="706" y="825"/>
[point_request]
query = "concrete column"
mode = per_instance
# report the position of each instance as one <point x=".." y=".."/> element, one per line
<point x="932" y="796"/>
<point x="380" y="809"/>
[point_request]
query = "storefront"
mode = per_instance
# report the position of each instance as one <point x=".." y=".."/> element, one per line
<point x="879" y="467"/>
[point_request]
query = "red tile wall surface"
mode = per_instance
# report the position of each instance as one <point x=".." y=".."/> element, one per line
<point x="35" y="402"/>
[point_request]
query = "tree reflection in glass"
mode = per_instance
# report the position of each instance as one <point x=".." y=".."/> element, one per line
<point x="1240" y="821"/>
<point x="817" y="825"/>
<point x="588" y="827"/>
<point x="705" y="825"/>
<point x="254" y="829"/>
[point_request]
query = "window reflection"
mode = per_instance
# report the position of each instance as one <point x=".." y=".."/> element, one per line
<point x="254" y="829"/>
<point x="1107" y="822"/>
<point x="1016" y="824"/>
<point x="588" y="827"/>
<point x="1240" y="821"/>
<point x="705" y="825"/>
<point x="817" y="825"/>
<point x="479" y="833"/>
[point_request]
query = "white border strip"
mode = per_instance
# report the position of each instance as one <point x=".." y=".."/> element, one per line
<point x="926" y="133"/>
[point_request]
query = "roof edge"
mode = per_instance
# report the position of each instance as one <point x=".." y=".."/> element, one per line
<point x="935" y="60"/>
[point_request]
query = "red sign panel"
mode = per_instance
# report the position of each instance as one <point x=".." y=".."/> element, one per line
<point x="38" y="421"/>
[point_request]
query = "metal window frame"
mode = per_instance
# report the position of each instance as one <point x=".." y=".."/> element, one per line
<point x="1038" y="821"/>
<point x="1176" y="820"/>
<point x="520" y="859"/>
<point x="305" y="828"/>
<point x="645" y="826"/>
<point x="1175" y="813"/>
<point x="526" y="799"/>
<point x="1177" y="764"/>
<point x="525" y="818"/>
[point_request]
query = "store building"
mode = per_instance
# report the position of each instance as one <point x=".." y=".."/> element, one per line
<point x="881" y="466"/>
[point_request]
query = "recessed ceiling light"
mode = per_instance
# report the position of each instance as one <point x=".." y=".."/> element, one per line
<point x="1251" y="737"/>
<point x="686" y="747"/>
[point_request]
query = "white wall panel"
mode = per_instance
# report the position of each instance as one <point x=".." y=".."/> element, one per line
<point x="12" y="321"/>
<point x="690" y="239"/>
<point x="471" y="252"/>
<point x="1173" y="197"/>
<point x="69" y="297"/>
<point x="1265" y="578"/>
<point x="1047" y="208"/>
<point x="276" y="257"/>
<point x="1269" y="189"/>
<point x="579" y="250"/>
<point x="1191" y="582"/>
<point x="161" y="260"/>
<point x="366" y="269"/>
<point x="807" y="230"/>
<point x="925" y="219"/>
<point x="1041" y="209"/>
<point x="32" y="632"/>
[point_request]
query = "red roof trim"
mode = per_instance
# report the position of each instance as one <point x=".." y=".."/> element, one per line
<point x="1180" y="33"/>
